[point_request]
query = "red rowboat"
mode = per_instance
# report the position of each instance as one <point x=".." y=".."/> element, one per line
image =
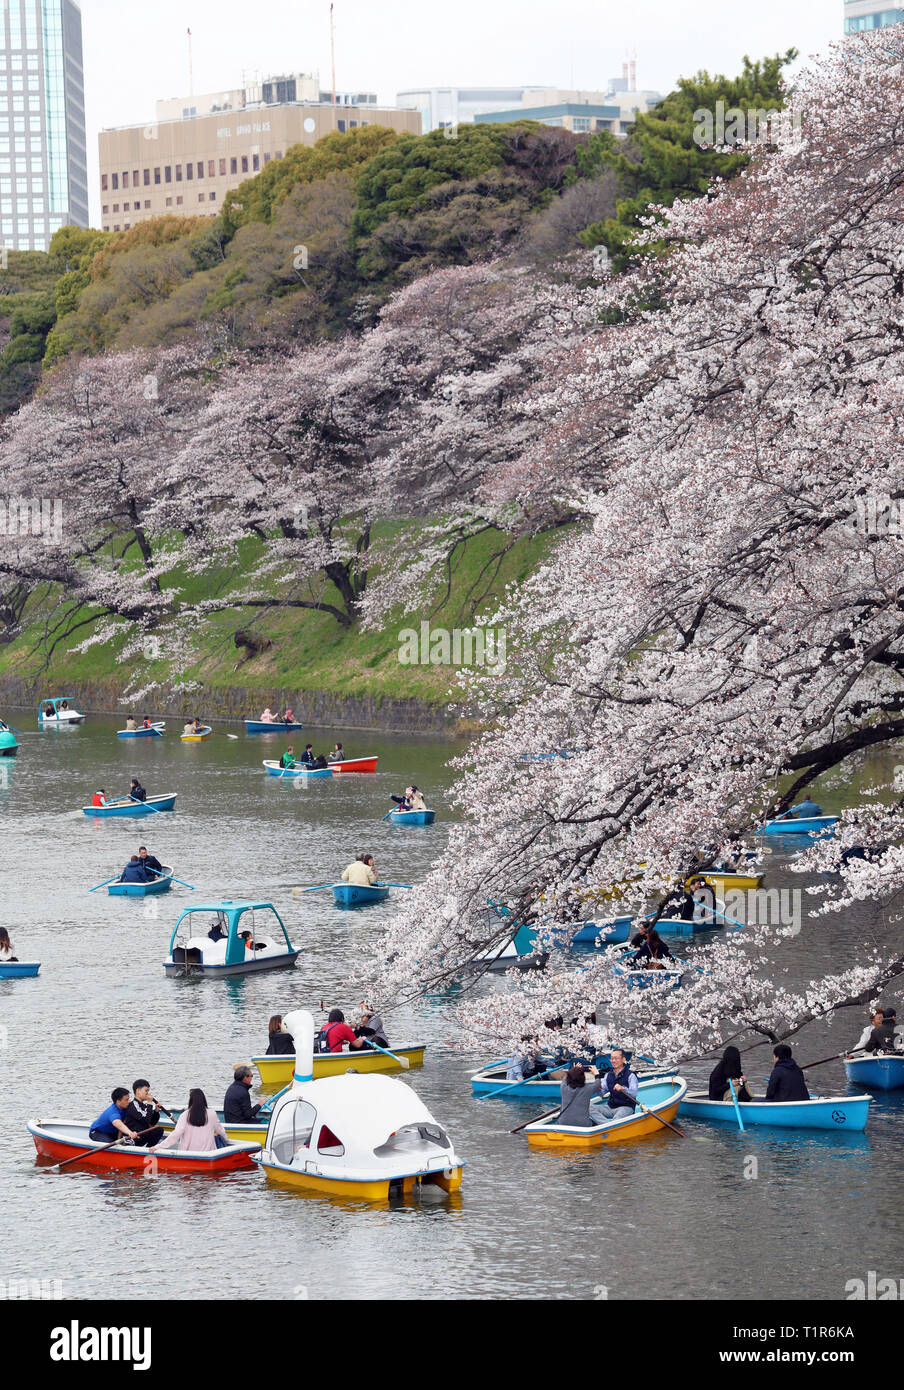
<point x="355" y="765"/>
<point x="60" y="1139"/>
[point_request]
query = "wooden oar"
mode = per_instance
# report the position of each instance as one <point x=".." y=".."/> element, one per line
<point x="86" y="1152"/>
<point x="402" y="1061"/>
<point x="536" y="1120"/>
<point x="737" y="1108"/>
<point x="835" y="1058"/>
<point x="509" y="1084"/>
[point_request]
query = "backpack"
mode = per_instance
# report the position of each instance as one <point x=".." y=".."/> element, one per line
<point x="322" y="1039"/>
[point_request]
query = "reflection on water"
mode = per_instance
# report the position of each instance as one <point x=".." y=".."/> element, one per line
<point x="657" y="1219"/>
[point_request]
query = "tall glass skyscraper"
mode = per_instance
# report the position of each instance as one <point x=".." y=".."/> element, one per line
<point x="43" y="164"/>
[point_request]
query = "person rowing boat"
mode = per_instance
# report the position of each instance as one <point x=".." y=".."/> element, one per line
<point x="880" y="1034"/>
<point x="411" y="801"/>
<point x="137" y="791"/>
<point x="360" y="872"/>
<point x="142" y="1113"/>
<point x="619" y="1086"/>
<point x="150" y="863"/>
<point x="287" y="761"/>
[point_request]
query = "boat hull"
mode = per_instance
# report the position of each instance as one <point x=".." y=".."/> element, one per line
<point x="812" y="825"/>
<point x="831" y="1113"/>
<point x="263" y="726"/>
<point x="492" y="1079"/>
<point x="155" y="731"/>
<point x="142" y="890"/>
<point x="602" y="934"/>
<point x="276" y="1071"/>
<point x="372" y="1190"/>
<point x="883" y="1073"/>
<point x="197" y="738"/>
<point x="357" y="894"/>
<point x="725" y="881"/>
<point x="59" y="1140"/>
<point x="650" y="979"/>
<point x="132" y="808"/>
<point x="412" y="817"/>
<point x="283" y="961"/>
<point x="355" y="765"/>
<point x="274" y="770"/>
<point x="661" y="1097"/>
<point x="19" y="969"/>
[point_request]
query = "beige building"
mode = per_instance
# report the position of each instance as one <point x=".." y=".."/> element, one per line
<point x="187" y="166"/>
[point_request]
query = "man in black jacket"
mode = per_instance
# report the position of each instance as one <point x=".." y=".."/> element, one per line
<point x="142" y="1114"/>
<point x="787" y="1079"/>
<point x="237" y="1107"/>
<point x="150" y="861"/>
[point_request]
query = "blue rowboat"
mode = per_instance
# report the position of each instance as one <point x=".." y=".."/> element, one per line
<point x="155" y="731"/>
<point x="668" y="978"/>
<point x="274" y="769"/>
<point x="412" y="817"/>
<point x="602" y="934"/>
<point x="884" y="1071"/>
<point x="264" y="726"/>
<point x="142" y="890"/>
<point x="800" y="825"/>
<point x="492" y="1078"/>
<point x="193" y="950"/>
<point x="822" y="1112"/>
<point x="356" y="894"/>
<point x="125" y="807"/>
<point x="18" y="969"/>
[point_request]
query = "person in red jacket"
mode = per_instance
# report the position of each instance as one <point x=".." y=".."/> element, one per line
<point x="335" y="1032"/>
<point x="99" y="798"/>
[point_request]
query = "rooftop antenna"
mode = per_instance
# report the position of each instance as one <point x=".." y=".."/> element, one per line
<point x="191" y="80"/>
<point x="333" y="52"/>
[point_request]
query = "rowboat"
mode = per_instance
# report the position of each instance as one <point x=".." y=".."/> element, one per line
<point x="722" y="880"/>
<point x="18" y="969"/>
<point x="205" y="733"/>
<point x="668" y="978"/>
<point x="493" y="1079"/>
<point x="883" y="1070"/>
<point x="800" y="825"/>
<point x="237" y="1132"/>
<point x="125" y="806"/>
<point x="822" y="1112"/>
<point x="662" y="1096"/>
<point x="194" y="951"/>
<point x="275" y="1071"/>
<point x="155" y="731"/>
<point x="58" y="710"/>
<point x="161" y="884"/>
<point x="357" y="894"/>
<point x="60" y="1139"/>
<point x="267" y="726"/>
<point x="412" y="817"/>
<point x="601" y="934"/>
<point x="354" y="765"/>
<point x="364" y="1136"/>
<point x="275" y="769"/>
<point x="518" y="953"/>
<point x="9" y="746"/>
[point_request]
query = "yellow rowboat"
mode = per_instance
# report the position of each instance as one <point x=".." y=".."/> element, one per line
<point x="277" y="1071"/>
<point x="725" y="881"/>
<point x="661" y="1097"/>
<point x="205" y="733"/>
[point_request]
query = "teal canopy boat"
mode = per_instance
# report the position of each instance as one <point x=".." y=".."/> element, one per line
<point x="357" y="894"/>
<point x="125" y="806"/>
<point x="229" y="938"/>
<point x="8" y="744"/>
<point x="59" y="710"/>
<point x="820" y="1112"/>
<point x="161" y="884"/>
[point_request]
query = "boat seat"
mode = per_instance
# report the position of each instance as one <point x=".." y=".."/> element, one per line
<point x="192" y="956"/>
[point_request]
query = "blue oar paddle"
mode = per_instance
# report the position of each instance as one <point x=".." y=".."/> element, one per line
<point x="392" y="885"/>
<point x="273" y="1099"/>
<point x="314" y="888"/>
<point x="737" y="1108"/>
<point x="402" y="1061"/>
<point x="181" y="882"/>
<point x="104" y="884"/>
<point x="509" y="1084"/>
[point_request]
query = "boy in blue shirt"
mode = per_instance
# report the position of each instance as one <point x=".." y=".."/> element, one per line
<point x="110" y="1125"/>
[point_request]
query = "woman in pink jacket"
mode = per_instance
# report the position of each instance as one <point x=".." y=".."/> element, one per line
<point x="196" y="1128"/>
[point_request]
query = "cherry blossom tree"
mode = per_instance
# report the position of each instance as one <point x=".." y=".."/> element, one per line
<point x="728" y="627"/>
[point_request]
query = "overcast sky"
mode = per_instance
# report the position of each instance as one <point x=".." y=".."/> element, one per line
<point x="137" y="52"/>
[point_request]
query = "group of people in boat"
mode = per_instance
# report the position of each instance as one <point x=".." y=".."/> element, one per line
<point x="218" y="932"/>
<point x="131" y="725"/>
<point x="362" y="871"/>
<point x="881" y="1034"/>
<point x="786" y="1080"/>
<point x="193" y="726"/>
<point x="142" y="867"/>
<point x="310" y="759"/>
<point x="412" y="800"/>
<point x="334" y="1034"/>
<point x="136" y="793"/>
<point x="268" y="717"/>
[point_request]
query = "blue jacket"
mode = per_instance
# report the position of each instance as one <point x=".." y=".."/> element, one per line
<point x="787" y="1082"/>
<point x="133" y="873"/>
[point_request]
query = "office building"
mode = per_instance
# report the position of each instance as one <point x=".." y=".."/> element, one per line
<point x="613" y="109"/>
<point x="200" y="148"/>
<point x="43" y="165"/>
<point x="446" y="106"/>
<point x="866" y="14"/>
